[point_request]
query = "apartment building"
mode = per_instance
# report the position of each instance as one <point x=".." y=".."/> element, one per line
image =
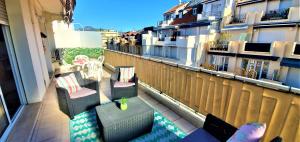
<point x="107" y="36"/>
<point x="26" y="41"/>
<point x="182" y="35"/>
<point x="262" y="36"/>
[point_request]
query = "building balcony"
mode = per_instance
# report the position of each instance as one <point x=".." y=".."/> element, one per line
<point x="170" y="41"/>
<point x="238" y="19"/>
<point x="165" y="22"/>
<point x="245" y="2"/>
<point x="209" y="15"/>
<point x="181" y="84"/>
<point x="276" y="15"/>
<point x="183" y="95"/>
<point x="223" y="47"/>
<point x="281" y="15"/>
<point x="159" y="43"/>
<point x="186" y="41"/>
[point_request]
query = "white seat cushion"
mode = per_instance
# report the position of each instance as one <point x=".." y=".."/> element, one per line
<point x="83" y="92"/>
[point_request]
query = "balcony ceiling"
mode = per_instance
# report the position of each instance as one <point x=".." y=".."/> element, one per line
<point x="52" y="6"/>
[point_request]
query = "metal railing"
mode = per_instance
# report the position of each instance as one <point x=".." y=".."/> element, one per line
<point x="212" y="13"/>
<point x="219" y="47"/>
<point x="238" y="19"/>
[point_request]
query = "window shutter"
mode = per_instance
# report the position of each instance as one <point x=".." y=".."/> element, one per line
<point x="3" y="13"/>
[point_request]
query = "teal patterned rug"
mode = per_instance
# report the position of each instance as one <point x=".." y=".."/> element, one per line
<point x="84" y="128"/>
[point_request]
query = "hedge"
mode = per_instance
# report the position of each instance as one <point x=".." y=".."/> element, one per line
<point x="70" y="53"/>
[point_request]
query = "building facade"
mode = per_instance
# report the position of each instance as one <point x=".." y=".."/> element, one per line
<point x="258" y="39"/>
<point x="262" y="37"/>
<point x="182" y="35"/>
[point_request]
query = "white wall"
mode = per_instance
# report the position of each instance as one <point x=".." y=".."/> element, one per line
<point x="275" y="34"/>
<point x="65" y="36"/>
<point x="27" y="48"/>
<point x="74" y="39"/>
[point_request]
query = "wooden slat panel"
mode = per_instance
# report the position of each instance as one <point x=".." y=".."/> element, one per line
<point x="235" y="102"/>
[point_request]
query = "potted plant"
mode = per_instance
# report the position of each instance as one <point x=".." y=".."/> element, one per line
<point x="123" y="103"/>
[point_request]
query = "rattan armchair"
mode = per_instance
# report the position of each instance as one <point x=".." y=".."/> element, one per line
<point x="73" y="106"/>
<point x="119" y="92"/>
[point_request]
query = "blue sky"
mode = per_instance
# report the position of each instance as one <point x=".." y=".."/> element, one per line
<point x="121" y="15"/>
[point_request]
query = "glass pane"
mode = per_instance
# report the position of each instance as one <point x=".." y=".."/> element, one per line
<point x="3" y="119"/>
<point x="226" y="63"/>
<point x="258" y="69"/>
<point x="265" y="70"/>
<point x="244" y="64"/>
<point x="7" y="81"/>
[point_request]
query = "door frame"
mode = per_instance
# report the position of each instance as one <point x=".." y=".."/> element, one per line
<point x="18" y="81"/>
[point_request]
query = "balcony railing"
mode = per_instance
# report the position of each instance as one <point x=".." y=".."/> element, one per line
<point x="173" y="38"/>
<point x="235" y="99"/>
<point x="161" y="39"/>
<point x="276" y="15"/>
<point x="206" y="14"/>
<point x="219" y="47"/>
<point x="238" y="19"/>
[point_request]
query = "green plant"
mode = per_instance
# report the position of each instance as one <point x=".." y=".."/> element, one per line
<point x="123" y="100"/>
<point x="70" y="53"/>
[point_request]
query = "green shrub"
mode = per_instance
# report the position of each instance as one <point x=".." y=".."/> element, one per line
<point x="70" y="53"/>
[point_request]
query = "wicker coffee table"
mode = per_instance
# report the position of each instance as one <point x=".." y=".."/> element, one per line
<point x="116" y="125"/>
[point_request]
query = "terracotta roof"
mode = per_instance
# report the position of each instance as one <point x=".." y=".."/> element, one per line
<point x="187" y="18"/>
<point x="173" y="9"/>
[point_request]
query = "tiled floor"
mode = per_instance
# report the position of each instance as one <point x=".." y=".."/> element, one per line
<point x="53" y="125"/>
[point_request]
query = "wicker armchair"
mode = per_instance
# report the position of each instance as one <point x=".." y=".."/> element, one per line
<point x="73" y="106"/>
<point x="119" y="92"/>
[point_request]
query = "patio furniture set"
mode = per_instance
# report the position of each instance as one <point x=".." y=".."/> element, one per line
<point x="77" y="95"/>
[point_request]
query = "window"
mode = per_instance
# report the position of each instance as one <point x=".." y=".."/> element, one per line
<point x="258" y="47"/>
<point x="220" y="61"/>
<point x="180" y="14"/>
<point x="260" y="66"/>
<point x="244" y="64"/>
<point x="194" y="11"/>
<point x="297" y="49"/>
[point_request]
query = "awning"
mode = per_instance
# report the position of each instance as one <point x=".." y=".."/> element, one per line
<point x="276" y="25"/>
<point x="290" y="62"/>
<point x="235" y="27"/>
<point x="166" y="28"/>
<point x="261" y="57"/>
<point x="195" y="24"/>
<point x="222" y="54"/>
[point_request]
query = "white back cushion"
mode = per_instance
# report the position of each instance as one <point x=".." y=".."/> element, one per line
<point x="126" y="74"/>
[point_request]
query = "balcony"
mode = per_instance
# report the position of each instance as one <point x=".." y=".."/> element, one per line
<point x="276" y="15"/>
<point x="218" y="47"/>
<point x="183" y="95"/>
<point x="238" y="19"/>
<point x="248" y="100"/>
<point x="165" y="22"/>
<point x="209" y="15"/>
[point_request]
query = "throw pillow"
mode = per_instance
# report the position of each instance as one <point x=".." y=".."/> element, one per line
<point x="126" y="74"/>
<point x="69" y="83"/>
<point x="250" y="132"/>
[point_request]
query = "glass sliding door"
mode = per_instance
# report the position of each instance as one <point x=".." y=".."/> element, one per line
<point x="3" y="118"/>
